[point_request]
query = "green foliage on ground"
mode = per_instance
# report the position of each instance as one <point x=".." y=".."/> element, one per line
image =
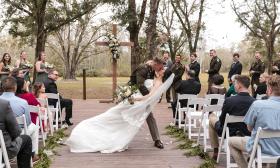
<point x="51" y="143"/>
<point x="190" y="148"/>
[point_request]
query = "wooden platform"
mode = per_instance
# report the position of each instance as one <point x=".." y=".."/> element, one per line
<point x="141" y="152"/>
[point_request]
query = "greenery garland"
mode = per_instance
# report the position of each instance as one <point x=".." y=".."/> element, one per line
<point x="114" y="45"/>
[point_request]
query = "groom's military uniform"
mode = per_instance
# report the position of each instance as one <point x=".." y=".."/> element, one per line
<point x="138" y="77"/>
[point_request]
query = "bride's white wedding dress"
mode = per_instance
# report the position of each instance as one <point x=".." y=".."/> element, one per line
<point x="112" y="130"/>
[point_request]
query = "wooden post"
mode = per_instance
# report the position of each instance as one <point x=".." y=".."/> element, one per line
<point x="84" y="85"/>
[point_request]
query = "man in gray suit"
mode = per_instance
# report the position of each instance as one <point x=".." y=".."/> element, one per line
<point x="138" y="77"/>
<point x="16" y="144"/>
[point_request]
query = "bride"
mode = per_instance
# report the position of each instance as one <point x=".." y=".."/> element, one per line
<point x="113" y="130"/>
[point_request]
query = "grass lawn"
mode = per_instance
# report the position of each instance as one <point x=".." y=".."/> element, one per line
<point x="101" y="87"/>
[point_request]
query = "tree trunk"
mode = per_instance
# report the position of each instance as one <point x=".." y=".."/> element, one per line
<point x="151" y="31"/>
<point x="270" y="51"/>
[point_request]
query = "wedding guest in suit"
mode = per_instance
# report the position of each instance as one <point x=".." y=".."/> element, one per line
<point x="276" y="66"/>
<point x="236" y="105"/>
<point x="235" y="68"/>
<point x="194" y="65"/>
<point x="188" y="86"/>
<point x="214" y="69"/>
<point x="17" y="145"/>
<point x="138" y="77"/>
<point x="256" y="69"/>
<point x="261" y="88"/>
<point x="264" y="114"/>
<point x="5" y="66"/>
<point x="20" y="107"/>
<point x="51" y="87"/>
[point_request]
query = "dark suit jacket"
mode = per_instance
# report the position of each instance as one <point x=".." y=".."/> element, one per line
<point x="10" y="129"/>
<point x="195" y="66"/>
<point x="51" y="87"/>
<point x="261" y="89"/>
<point x="235" y="105"/>
<point x="236" y="68"/>
<point x="215" y="66"/>
<point x="190" y="86"/>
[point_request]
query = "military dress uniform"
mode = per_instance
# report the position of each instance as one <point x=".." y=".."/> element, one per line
<point x="276" y="63"/>
<point x="258" y="67"/>
<point x="178" y="69"/>
<point x="215" y="66"/>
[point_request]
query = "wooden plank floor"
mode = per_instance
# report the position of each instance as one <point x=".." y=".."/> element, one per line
<point x="141" y="152"/>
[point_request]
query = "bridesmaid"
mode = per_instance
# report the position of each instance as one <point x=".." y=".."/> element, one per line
<point x="5" y="66"/>
<point x="41" y="69"/>
<point x="23" y="64"/>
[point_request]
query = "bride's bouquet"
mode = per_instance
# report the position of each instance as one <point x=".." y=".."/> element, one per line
<point x="125" y="93"/>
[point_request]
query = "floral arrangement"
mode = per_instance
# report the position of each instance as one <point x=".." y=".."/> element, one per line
<point x="9" y="68"/>
<point x="125" y="93"/>
<point x="48" y="65"/>
<point x="28" y="65"/>
<point x="114" y="45"/>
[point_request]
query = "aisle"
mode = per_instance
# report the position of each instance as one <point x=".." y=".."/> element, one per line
<point x="141" y="152"/>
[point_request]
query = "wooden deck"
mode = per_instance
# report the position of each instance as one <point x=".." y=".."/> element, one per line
<point x="141" y="152"/>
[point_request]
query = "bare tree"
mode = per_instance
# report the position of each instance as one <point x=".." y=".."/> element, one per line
<point x="261" y="18"/>
<point x="185" y="11"/>
<point x="176" y="37"/>
<point x="75" y="43"/>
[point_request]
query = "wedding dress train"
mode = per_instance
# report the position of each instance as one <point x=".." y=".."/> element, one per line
<point x="112" y="130"/>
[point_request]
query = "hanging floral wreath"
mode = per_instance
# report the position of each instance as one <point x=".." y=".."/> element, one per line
<point x="114" y="46"/>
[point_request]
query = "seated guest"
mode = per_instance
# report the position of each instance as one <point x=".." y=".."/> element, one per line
<point x="20" y="107"/>
<point x="17" y="145"/>
<point x="52" y="88"/>
<point x="188" y="86"/>
<point x="236" y="105"/>
<point x="17" y="73"/>
<point x="231" y="90"/>
<point x="264" y="114"/>
<point x="29" y="97"/>
<point x="261" y="88"/>
<point x="217" y="87"/>
<point x="39" y="90"/>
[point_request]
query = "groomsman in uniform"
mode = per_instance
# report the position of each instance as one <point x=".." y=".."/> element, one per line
<point x="236" y="67"/>
<point x="138" y="77"/>
<point x="195" y="66"/>
<point x="215" y="66"/>
<point x="256" y="69"/>
<point x="276" y="66"/>
<point x="178" y="69"/>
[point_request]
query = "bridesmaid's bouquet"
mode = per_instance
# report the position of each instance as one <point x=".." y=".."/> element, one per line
<point x="48" y="65"/>
<point x="28" y="65"/>
<point x="125" y="93"/>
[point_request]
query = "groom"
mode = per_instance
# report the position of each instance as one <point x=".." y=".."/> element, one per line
<point x="138" y="77"/>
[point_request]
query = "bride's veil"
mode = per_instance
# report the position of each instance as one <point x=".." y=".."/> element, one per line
<point x="137" y="113"/>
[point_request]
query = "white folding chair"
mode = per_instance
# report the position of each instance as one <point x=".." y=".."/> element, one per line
<point x="21" y="120"/>
<point x="179" y="109"/>
<point x="3" y="153"/>
<point x="56" y="109"/>
<point x="225" y="136"/>
<point x="39" y="121"/>
<point x="205" y="123"/>
<point x="262" y="158"/>
<point x="219" y="97"/>
<point x="48" y="115"/>
<point x="192" y="114"/>
<point x="260" y="96"/>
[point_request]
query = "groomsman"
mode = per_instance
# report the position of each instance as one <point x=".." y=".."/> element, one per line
<point x="215" y="66"/>
<point x="167" y="63"/>
<point x="236" y="67"/>
<point x="276" y="66"/>
<point x="195" y="66"/>
<point x="178" y="69"/>
<point x="256" y="69"/>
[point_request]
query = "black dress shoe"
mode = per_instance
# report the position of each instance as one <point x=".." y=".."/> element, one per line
<point x="68" y="122"/>
<point x="159" y="144"/>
